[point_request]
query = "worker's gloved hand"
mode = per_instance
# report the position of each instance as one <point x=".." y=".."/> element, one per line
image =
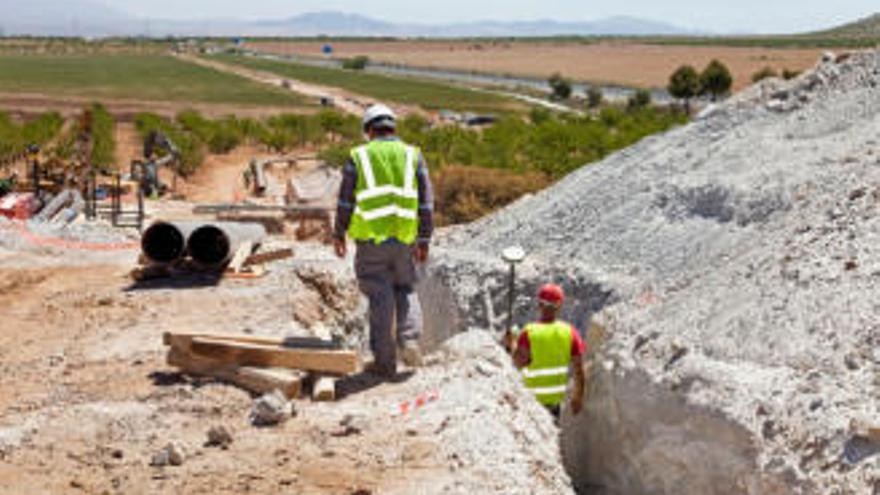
<point x="340" y="247"/>
<point x="577" y="403"/>
<point x="421" y="252"/>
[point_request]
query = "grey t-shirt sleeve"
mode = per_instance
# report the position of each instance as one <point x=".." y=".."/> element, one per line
<point x="426" y="202"/>
<point x="345" y="203"/>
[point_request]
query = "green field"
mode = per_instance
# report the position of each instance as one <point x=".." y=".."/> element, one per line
<point x="142" y="77"/>
<point x="410" y="91"/>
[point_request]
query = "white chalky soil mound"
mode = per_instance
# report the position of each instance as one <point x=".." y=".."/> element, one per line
<point x="735" y="264"/>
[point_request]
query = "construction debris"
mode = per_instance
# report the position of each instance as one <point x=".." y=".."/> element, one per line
<point x="324" y="389"/>
<point x="172" y="454"/>
<point x="219" y="436"/>
<point x="268" y="257"/>
<point x="271" y="409"/>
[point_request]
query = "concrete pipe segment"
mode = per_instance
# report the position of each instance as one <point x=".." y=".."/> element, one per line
<point x="165" y="241"/>
<point x="214" y="244"/>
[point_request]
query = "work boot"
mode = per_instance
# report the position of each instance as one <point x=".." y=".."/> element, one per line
<point x="411" y="354"/>
<point x="383" y="370"/>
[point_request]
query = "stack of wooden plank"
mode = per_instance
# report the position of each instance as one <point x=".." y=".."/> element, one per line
<point x="263" y="364"/>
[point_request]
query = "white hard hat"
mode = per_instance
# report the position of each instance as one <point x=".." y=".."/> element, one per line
<point x="379" y="113"/>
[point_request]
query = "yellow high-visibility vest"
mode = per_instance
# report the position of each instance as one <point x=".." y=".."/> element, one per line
<point x="547" y="375"/>
<point x="386" y="194"/>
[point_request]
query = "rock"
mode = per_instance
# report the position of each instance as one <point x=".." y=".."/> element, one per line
<point x="271" y="409"/>
<point x="219" y="436"/>
<point x="780" y="94"/>
<point x="828" y="57"/>
<point x="351" y="424"/>
<point x="708" y="112"/>
<point x="851" y="362"/>
<point x="776" y="106"/>
<point x="171" y="455"/>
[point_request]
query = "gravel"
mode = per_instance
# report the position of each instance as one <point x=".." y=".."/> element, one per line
<point x="734" y="263"/>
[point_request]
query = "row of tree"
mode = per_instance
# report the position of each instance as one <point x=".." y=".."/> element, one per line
<point x="686" y="83"/>
<point x="15" y="137"/>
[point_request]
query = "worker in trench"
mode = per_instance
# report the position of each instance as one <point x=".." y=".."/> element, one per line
<point x="546" y="350"/>
<point x="386" y="206"/>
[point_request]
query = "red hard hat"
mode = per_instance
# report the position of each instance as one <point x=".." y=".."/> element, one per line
<point x="551" y="293"/>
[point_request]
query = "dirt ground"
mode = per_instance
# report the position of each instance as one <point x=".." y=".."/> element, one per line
<point x="629" y="64"/>
<point x="86" y="399"/>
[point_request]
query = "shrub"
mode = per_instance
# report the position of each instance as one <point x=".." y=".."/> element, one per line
<point x="356" y="63"/>
<point x="764" y="73"/>
<point x="221" y="136"/>
<point x="594" y="97"/>
<point x="560" y="86"/>
<point x="790" y="74"/>
<point x="538" y="115"/>
<point x="14" y="138"/>
<point x="640" y="99"/>
<point x="464" y="194"/>
<point x="191" y="149"/>
<point x="103" y="137"/>
<point x="335" y="155"/>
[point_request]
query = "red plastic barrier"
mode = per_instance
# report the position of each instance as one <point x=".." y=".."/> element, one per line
<point x="19" y="206"/>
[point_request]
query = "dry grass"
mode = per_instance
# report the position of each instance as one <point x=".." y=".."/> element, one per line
<point x="625" y="63"/>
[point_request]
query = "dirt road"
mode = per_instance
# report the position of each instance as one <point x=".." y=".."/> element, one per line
<point x="345" y="101"/>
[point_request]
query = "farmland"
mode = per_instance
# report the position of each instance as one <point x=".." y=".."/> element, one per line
<point x="609" y="62"/>
<point x="409" y="91"/>
<point x="132" y="76"/>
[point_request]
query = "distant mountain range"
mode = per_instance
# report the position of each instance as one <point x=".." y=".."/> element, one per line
<point x="93" y="18"/>
<point x="868" y="27"/>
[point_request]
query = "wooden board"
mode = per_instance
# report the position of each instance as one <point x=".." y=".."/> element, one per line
<point x="184" y="340"/>
<point x="260" y="258"/>
<point x="256" y="380"/>
<point x="324" y="389"/>
<point x="244" y="251"/>
<point x="236" y="352"/>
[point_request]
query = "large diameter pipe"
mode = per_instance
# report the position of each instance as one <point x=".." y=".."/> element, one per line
<point x="165" y="241"/>
<point x="213" y="245"/>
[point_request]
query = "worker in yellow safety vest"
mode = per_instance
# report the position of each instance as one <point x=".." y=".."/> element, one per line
<point x="546" y="349"/>
<point x="386" y="206"/>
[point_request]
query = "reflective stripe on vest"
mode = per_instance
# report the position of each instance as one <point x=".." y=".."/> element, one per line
<point x="547" y="374"/>
<point x="386" y="194"/>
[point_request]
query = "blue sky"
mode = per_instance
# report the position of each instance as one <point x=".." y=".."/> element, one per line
<point x="779" y="16"/>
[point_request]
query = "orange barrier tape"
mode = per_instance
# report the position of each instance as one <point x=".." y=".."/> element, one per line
<point x="58" y="242"/>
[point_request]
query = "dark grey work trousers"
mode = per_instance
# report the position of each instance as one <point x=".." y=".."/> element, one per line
<point x="387" y="275"/>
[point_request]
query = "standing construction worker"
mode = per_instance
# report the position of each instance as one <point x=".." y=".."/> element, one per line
<point x="386" y="206"/>
<point x="547" y="349"/>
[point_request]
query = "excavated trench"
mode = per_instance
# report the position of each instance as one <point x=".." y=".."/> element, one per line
<point x="635" y="436"/>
